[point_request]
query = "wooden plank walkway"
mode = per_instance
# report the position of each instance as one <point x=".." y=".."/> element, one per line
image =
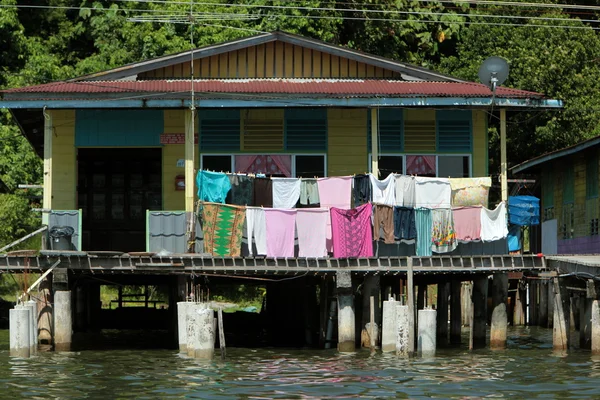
<point x="81" y="262"/>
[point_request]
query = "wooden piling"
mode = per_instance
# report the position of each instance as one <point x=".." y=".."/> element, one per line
<point x="543" y="304"/>
<point x="221" y="333"/>
<point x="519" y="309"/>
<point x="560" y="331"/>
<point x="455" y="312"/>
<point x="499" y="325"/>
<point x="585" y="323"/>
<point x="45" y="314"/>
<point x="443" y="290"/>
<point x="480" y="290"/>
<point x="532" y="308"/>
<point x="550" y="304"/>
<point x="466" y="300"/>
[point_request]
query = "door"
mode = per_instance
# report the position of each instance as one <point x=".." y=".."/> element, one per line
<point x="115" y="188"/>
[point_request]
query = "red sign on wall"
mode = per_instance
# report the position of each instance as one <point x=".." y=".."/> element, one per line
<point x="175" y="138"/>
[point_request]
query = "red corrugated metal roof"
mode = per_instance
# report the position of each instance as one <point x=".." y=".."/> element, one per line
<point x="324" y="87"/>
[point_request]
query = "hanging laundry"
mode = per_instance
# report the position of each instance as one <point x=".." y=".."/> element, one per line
<point x="286" y="192"/>
<point x="493" y="223"/>
<point x="383" y="192"/>
<point x="405" y="191"/>
<point x="263" y="192"/>
<point x="424" y="225"/>
<point x="383" y="217"/>
<point x="212" y="186"/>
<point x="335" y="191"/>
<point x="404" y="223"/>
<point x="309" y="192"/>
<point x="467" y="223"/>
<point x="311" y="224"/>
<point x="432" y="192"/>
<point x="281" y="227"/>
<point x="352" y="235"/>
<point x="514" y="238"/>
<point x="242" y="190"/>
<point x="362" y="189"/>
<point x="470" y="191"/>
<point x="443" y="237"/>
<point x="256" y="227"/>
<point x="222" y="228"/>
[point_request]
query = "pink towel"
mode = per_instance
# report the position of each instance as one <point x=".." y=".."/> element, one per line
<point x="312" y="232"/>
<point x="467" y="223"/>
<point x="352" y="232"/>
<point x="334" y="192"/>
<point x="281" y="226"/>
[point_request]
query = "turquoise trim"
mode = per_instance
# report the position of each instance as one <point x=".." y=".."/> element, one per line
<point x="80" y="239"/>
<point x="417" y="102"/>
<point x="147" y="230"/>
<point x="118" y="127"/>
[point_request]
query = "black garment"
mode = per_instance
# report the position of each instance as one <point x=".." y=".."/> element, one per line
<point x="362" y="189"/>
<point x="242" y="190"/>
<point x="263" y="192"/>
<point x="404" y="223"/>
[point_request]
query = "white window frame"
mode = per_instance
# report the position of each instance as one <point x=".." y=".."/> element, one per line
<point x="293" y="155"/>
<point x="404" y="155"/>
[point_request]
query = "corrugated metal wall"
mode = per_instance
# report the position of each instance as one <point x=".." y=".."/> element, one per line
<point x="67" y="218"/>
<point x="166" y="231"/>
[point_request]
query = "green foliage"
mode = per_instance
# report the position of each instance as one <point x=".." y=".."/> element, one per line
<point x="17" y="220"/>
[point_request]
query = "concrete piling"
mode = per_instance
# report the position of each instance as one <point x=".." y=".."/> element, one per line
<point x="201" y="331"/>
<point x="389" y="326"/>
<point x="182" y="310"/>
<point x="499" y="325"/>
<point x="346" y="317"/>
<point x="426" y="340"/>
<point x="595" y="327"/>
<point x="465" y="295"/>
<point x="33" y="339"/>
<point x="403" y="331"/>
<point x="63" y="323"/>
<point x="560" y="331"/>
<point x="455" y="312"/>
<point x="19" y="332"/>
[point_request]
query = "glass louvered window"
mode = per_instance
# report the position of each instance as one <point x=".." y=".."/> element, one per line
<point x="219" y="130"/>
<point x="306" y="129"/>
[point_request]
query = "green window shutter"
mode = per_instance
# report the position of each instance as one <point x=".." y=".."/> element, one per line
<point x="454" y="131"/>
<point x="391" y="130"/>
<point x="591" y="177"/>
<point x="219" y="130"/>
<point x="306" y="129"/>
<point x="568" y="184"/>
<point x="547" y="189"/>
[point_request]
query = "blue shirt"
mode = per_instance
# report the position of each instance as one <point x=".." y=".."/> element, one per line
<point x="212" y="186"/>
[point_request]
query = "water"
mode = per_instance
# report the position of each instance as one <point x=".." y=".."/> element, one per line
<point x="528" y="369"/>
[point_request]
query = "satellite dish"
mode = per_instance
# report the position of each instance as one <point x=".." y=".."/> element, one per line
<point x="493" y="72"/>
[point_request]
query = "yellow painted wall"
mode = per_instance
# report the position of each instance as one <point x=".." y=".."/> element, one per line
<point x="173" y="200"/>
<point x="480" y="144"/>
<point x="347" y="141"/>
<point x="64" y="161"/>
<point x="274" y="59"/>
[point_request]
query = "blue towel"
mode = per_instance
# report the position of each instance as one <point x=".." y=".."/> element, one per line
<point x="514" y="238"/>
<point x="424" y="225"/>
<point x="212" y="186"/>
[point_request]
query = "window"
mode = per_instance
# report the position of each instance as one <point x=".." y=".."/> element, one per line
<point x="591" y="177"/>
<point x="390" y="164"/>
<point x="454" y="131"/>
<point x="219" y="130"/>
<point x="308" y="166"/>
<point x="454" y="166"/>
<point x="217" y="163"/>
<point x="306" y="129"/>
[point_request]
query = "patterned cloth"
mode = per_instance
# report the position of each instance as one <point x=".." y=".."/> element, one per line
<point x="470" y="191"/>
<point x="443" y="237"/>
<point x="222" y="228"/>
<point x="352" y="233"/>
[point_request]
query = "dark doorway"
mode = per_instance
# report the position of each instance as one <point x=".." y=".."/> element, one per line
<point x="115" y="188"/>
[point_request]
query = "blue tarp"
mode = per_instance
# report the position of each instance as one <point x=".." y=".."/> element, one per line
<point x="514" y="238"/>
<point x="523" y="210"/>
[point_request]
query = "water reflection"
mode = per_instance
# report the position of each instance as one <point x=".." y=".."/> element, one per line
<point x="525" y="370"/>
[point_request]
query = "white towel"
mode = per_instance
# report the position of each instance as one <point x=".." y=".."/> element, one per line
<point x="405" y="190"/>
<point x="383" y="192"/>
<point x="286" y="192"/>
<point x="256" y="226"/>
<point x="493" y="223"/>
<point x="432" y="192"/>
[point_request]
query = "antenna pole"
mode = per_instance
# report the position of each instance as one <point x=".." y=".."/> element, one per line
<point x="503" y="166"/>
<point x="190" y="142"/>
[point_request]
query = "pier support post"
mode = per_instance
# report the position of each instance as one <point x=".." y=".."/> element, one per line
<point x="455" y="312"/>
<point x="389" y="326"/>
<point x="182" y="315"/>
<point x="532" y="304"/>
<point x="443" y="290"/>
<point x="519" y="309"/>
<point x="403" y="330"/>
<point x="63" y="324"/>
<point x="421" y="295"/>
<point x="346" y="318"/>
<point x="499" y="324"/>
<point x="585" y="323"/>
<point x="201" y="331"/>
<point x="480" y="290"/>
<point x="560" y="331"/>
<point x="32" y="306"/>
<point x="595" y="327"/>
<point x="19" y="325"/>
<point x="427" y="332"/>
<point x="45" y="317"/>
<point x="410" y="289"/>
<point x="543" y="301"/>
<point x="371" y="287"/>
<point x="466" y="300"/>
